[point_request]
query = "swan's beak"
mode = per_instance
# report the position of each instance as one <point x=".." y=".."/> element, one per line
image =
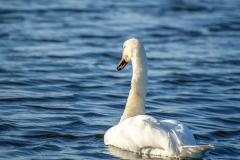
<point x="122" y="64"/>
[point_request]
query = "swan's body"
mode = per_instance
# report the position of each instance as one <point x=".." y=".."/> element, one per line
<point x="143" y="134"/>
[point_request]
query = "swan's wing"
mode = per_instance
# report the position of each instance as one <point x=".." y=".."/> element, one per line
<point x="143" y="134"/>
<point x="181" y="131"/>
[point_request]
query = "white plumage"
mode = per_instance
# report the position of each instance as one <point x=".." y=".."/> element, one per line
<point x="144" y="134"/>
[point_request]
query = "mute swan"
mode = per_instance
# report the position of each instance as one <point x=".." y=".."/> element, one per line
<point x="144" y="134"/>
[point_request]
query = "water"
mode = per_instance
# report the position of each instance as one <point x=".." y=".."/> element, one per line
<point x="60" y="90"/>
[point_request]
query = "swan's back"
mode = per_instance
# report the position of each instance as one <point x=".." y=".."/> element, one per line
<point x="144" y="134"/>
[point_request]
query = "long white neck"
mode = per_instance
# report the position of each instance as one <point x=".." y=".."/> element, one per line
<point x="136" y="100"/>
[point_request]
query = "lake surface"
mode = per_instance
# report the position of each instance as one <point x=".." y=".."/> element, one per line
<point x="60" y="90"/>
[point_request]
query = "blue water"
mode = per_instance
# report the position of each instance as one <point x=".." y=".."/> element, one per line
<point x="60" y="90"/>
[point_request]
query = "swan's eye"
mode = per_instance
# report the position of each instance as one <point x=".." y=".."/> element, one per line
<point x="123" y="48"/>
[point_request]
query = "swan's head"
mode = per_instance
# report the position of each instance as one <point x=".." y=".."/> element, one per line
<point x="128" y="51"/>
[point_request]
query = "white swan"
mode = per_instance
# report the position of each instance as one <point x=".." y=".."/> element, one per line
<point x="144" y="134"/>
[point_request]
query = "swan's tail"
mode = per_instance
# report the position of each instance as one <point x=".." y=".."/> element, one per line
<point x="195" y="151"/>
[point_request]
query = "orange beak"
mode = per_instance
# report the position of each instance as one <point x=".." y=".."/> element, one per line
<point x="122" y="64"/>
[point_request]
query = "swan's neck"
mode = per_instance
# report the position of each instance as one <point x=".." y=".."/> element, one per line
<point x="136" y="100"/>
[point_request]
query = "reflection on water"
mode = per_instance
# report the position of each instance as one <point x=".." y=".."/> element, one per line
<point x="123" y="154"/>
<point x="115" y="151"/>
